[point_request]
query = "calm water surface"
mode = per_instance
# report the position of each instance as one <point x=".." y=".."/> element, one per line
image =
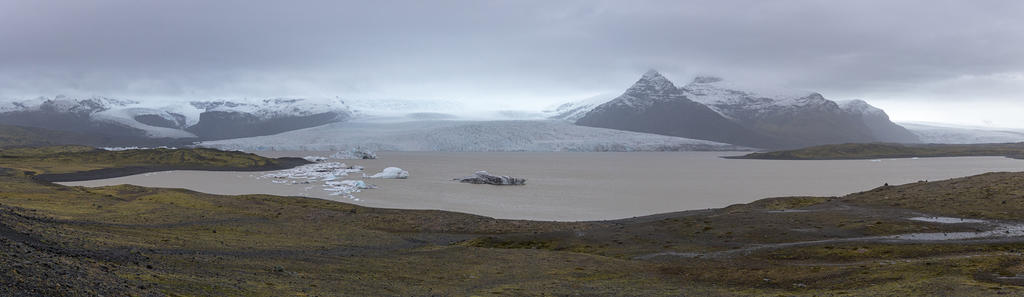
<point x="587" y="186"/>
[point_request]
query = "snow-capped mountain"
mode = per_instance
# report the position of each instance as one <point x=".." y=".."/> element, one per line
<point x="655" y="105"/>
<point x="742" y="103"/>
<point x="465" y="136"/>
<point x="194" y="120"/>
<point x="796" y="118"/>
<point x="878" y="122"/>
<point x="67" y="114"/>
<point x="573" y="111"/>
<point x="766" y="117"/>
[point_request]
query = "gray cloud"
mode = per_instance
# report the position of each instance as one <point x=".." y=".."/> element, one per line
<point x="523" y="52"/>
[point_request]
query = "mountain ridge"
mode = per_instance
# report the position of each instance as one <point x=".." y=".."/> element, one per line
<point x="767" y="119"/>
<point x="201" y="120"/>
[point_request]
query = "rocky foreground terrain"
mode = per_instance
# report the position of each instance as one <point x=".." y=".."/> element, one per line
<point x="956" y="237"/>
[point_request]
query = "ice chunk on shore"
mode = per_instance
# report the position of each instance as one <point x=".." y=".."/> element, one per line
<point x="346" y="188"/>
<point x="390" y="172"/>
<point x="482" y="177"/>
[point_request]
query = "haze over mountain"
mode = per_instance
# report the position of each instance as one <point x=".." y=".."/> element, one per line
<point x="707" y="108"/>
<point x="519" y="55"/>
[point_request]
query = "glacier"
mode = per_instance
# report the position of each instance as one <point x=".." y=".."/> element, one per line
<point x="466" y="136"/>
<point x="958" y="134"/>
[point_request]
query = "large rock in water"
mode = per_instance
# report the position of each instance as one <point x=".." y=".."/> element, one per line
<point x="482" y="177"/>
<point x="654" y="105"/>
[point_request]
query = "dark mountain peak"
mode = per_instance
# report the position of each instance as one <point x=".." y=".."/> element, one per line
<point x="651" y="74"/>
<point x="652" y="83"/>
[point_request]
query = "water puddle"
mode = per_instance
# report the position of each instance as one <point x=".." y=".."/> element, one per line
<point x="995" y="230"/>
<point x="998" y="230"/>
<point x="947" y="220"/>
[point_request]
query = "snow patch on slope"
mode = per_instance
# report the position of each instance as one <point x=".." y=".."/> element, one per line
<point x="860" y="107"/>
<point x="62" y="103"/>
<point x="727" y="97"/>
<point x="575" y="110"/>
<point x="276" y="107"/>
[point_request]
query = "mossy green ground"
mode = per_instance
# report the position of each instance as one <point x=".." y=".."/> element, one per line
<point x="70" y="159"/>
<point x="892" y="150"/>
<point x="146" y="241"/>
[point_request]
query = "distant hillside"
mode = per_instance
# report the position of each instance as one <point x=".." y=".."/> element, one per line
<point x="19" y="136"/>
<point x="71" y="163"/>
<point x="890" y="150"/>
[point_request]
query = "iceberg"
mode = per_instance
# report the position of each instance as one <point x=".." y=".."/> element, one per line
<point x="315" y="171"/>
<point x="327" y="173"/>
<point x="355" y="153"/>
<point x="314" y="159"/>
<point x="482" y="177"/>
<point x="391" y="173"/>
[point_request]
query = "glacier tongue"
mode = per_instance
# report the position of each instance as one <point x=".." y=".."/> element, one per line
<point x="465" y="136"/>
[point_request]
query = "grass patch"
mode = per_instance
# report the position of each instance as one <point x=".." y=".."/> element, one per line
<point x="891" y="150"/>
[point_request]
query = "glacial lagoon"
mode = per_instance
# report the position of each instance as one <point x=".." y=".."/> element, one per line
<point x="582" y="186"/>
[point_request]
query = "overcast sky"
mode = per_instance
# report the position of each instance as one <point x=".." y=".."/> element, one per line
<point x="943" y="61"/>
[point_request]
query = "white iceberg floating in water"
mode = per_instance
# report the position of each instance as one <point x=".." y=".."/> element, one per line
<point x="356" y="153"/>
<point x="358" y="184"/>
<point x="347" y="187"/>
<point x="328" y="173"/>
<point x="314" y="159"/>
<point x="390" y="172"/>
<point x="316" y="171"/>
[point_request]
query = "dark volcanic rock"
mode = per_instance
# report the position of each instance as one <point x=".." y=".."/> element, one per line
<point x="158" y="121"/>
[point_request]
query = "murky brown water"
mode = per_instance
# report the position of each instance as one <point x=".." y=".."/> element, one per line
<point x="588" y="186"/>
